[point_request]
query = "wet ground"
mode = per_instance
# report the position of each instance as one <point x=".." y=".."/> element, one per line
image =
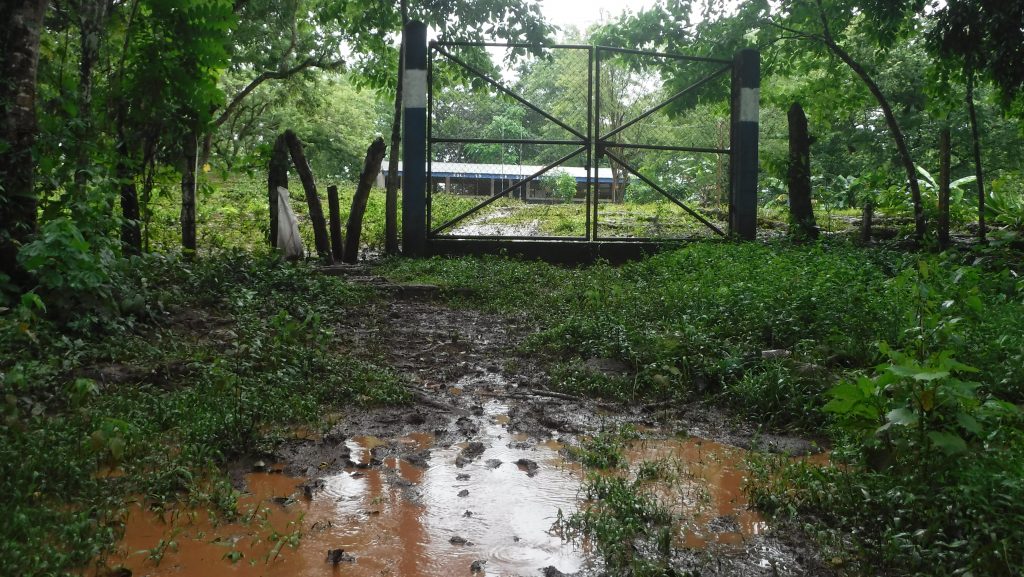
<point x="472" y="478"/>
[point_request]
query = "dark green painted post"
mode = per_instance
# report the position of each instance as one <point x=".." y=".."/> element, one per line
<point x="414" y="140"/>
<point x="746" y="84"/>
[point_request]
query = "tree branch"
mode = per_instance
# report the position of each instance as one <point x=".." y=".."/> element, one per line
<point x="272" y="75"/>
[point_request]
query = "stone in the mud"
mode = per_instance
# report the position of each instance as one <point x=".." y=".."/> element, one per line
<point x="493" y="463"/>
<point x="336" y="556"/>
<point x="458" y="540"/>
<point x="464" y="493"/>
<point x="466" y="426"/>
<point x="357" y="474"/>
<point x="312" y="487"/>
<point x="477" y="410"/>
<point x="283" y="501"/>
<point x="724" y="524"/>
<point x="471" y="452"/>
<point x="468" y="513"/>
<point x="477" y="566"/>
<point x="416" y="418"/>
<point x="419" y="459"/>
<point x="529" y="466"/>
<point x="462" y="477"/>
<point x="260" y="467"/>
<point x="552" y="571"/>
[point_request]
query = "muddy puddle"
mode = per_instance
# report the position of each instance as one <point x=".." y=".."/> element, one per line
<point x="417" y="508"/>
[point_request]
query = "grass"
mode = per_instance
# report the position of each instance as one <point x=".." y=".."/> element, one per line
<point x="219" y="355"/>
<point x="929" y="482"/>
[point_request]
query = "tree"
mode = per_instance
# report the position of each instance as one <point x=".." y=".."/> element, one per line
<point x="982" y="36"/>
<point x="19" y="60"/>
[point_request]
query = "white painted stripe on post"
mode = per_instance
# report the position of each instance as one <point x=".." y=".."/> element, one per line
<point x="414" y="89"/>
<point x="750" y="99"/>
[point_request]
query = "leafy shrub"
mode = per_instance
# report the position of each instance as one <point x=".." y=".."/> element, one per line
<point x="561" y="184"/>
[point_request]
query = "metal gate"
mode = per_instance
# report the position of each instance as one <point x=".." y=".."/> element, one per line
<point x="569" y="152"/>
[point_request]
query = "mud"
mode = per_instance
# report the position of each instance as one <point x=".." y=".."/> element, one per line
<point x="489" y="224"/>
<point x="473" y="472"/>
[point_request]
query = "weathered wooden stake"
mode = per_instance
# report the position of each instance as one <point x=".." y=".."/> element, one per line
<point x="944" y="188"/>
<point x="316" y="210"/>
<point x="354" y="228"/>
<point x="188" y="192"/>
<point x="334" y="208"/>
<point x="277" y="176"/>
<point x="801" y="212"/>
<point x="868" y="214"/>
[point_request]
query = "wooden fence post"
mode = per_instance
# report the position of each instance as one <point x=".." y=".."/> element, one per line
<point x="316" y="210"/>
<point x="334" y="216"/>
<point x="371" y="167"/>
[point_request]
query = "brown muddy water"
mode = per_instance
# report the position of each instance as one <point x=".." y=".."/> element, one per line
<point x="400" y="519"/>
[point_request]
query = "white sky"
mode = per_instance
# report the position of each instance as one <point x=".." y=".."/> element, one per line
<point x="583" y="13"/>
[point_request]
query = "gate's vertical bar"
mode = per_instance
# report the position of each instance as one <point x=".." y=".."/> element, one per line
<point x="598" y="147"/>
<point x="746" y="83"/>
<point x="414" y="140"/>
<point x="591" y="169"/>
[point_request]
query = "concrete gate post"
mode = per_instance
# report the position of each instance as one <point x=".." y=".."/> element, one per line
<point x="414" y="140"/>
<point x="746" y="83"/>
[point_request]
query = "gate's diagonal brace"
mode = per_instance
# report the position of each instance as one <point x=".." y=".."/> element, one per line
<point x="504" y="192"/>
<point x="517" y="97"/>
<point x="658" y="188"/>
<point x="670" y="100"/>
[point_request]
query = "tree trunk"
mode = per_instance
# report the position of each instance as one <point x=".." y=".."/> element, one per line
<point x="131" y="237"/>
<point x="93" y="15"/>
<point x="890" y="119"/>
<point x="188" y="192"/>
<point x="316" y="210"/>
<point x="334" y="218"/>
<point x="391" y="192"/>
<point x="944" y="188"/>
<point x="976" y="145"/>
<point x="371" y="167"/>
<point x="19" y="62"/>
<point x="801" y="212"/>
<point x="277" y="175"/>
<point x="868" y="214"/>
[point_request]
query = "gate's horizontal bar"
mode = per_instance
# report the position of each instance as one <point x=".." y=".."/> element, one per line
<point x="664" y="55"/>
<point x="606" y="144"/>
<point x="437" y="140"/>
<point x="497" y="237"/>
<point x="571" y="252"/>
<point x="434" y="43"/>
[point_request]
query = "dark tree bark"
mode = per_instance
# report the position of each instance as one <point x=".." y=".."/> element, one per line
<point x="188" y="192"/>
<point x="801" y="212"/>
<point x="944" y="188"/>
<point x="976" y="145"/>
<point x="277" y="175"/>
<point x="868" y="214"/>
<point x="354" y="228"/>
<point x="316" y="210"/>
<point x="92" y="20"/>
<point x="19" y="62"/>
<point x="334" y="218"/>
<point x="391" y="192"/>
<point x="131" y="236"/>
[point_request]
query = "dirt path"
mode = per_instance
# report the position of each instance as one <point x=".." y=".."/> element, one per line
<point x="474" y="475"/>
